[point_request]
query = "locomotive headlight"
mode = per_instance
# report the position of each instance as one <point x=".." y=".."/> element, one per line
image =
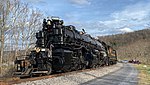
<point x="54" y="18"/>
<point x="18" y="66"/>
<point x="43" y="49"/>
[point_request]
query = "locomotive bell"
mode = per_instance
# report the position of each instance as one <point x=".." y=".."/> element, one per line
<point x="37" y="49"/>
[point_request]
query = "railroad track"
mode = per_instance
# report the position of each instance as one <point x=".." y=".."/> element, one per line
<point x="17" y="80"/>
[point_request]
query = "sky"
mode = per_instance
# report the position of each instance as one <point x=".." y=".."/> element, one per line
<point x="99" y="17"/>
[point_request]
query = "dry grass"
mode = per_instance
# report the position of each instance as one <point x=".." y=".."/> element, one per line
<point x="5" y="80"/>
<point x="144" y="74"/>
<point x="7" y="71"/>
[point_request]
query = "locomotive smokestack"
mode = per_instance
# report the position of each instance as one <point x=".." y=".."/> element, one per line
<point x="83" y="31"/>
<point x="44" y="23"/>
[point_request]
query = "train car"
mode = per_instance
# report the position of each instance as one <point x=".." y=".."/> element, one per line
<point x="112" y="54"/>
<point x="63" y="48"/>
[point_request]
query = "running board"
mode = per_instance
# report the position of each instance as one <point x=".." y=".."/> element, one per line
<point x="39" y="72"/>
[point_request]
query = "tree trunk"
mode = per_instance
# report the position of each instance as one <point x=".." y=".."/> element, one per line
<point x="2" y="41"/>
<point x="1" y="53"/>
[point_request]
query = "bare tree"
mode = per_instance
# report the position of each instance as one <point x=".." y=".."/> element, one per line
<point x="4" y="8"/>
<point x="25" y="23"/>
<point x="18" y="24"/>
<point x="33" y="25"/>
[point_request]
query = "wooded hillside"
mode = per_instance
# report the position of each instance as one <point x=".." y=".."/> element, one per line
<point x="133" y="45"/>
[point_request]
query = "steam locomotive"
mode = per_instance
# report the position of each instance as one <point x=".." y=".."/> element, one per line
<point x="63" y="48"/>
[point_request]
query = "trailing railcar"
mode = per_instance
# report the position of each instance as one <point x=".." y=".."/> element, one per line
<point x="112" y="54"/>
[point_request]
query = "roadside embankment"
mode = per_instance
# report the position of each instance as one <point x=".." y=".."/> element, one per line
<point x="144" y="74"/>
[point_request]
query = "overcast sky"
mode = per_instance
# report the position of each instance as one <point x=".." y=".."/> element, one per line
<point x="99" y="17"/>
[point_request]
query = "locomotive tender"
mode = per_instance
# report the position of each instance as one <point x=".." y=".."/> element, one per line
<point x="63" y="48"/>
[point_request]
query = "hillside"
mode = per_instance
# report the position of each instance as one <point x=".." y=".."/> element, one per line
<point x="133" y="45"/>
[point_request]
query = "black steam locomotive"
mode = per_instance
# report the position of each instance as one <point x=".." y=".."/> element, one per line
<point x="63" y="48"/>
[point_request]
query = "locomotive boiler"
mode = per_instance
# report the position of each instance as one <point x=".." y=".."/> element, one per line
<point x="63" y="48"/>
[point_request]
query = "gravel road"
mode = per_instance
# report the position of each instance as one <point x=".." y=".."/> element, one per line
<point x="86" y="77"/>
<point x="126" y="76"/>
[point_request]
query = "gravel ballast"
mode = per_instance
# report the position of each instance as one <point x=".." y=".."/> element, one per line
<point x="75" y="78"/>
